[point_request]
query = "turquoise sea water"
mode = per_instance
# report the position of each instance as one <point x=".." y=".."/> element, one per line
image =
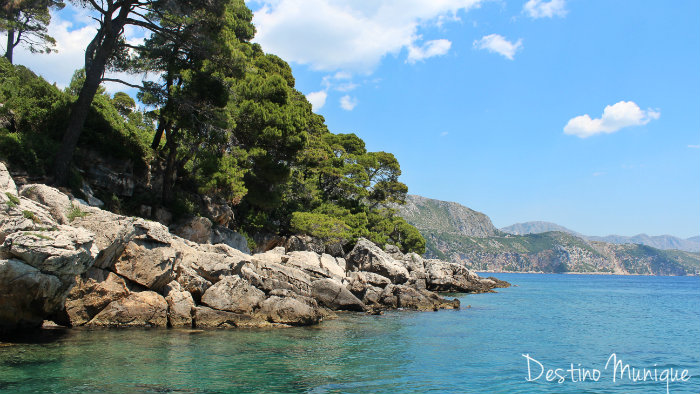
<point x="556" y="319"/>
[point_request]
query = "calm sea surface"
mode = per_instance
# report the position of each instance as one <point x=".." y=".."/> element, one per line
<point x="648" y="322"/>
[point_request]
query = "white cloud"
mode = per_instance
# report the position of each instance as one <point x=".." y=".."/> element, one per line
<point x="496" y="43"/>
<point x="444" y="133"/>
<point x="340" y="81"/>
<point x="545" y="9"/>
<point x="348" y="103"/>
<point x="694" y="146"/>
<point x="71" y="42"/>
<point x="317" y="99"/>
<point x="599" y="173"/>
<point x="351" y="35"/>
<point x="428" y="50"/>
<point x="615" y="117"/>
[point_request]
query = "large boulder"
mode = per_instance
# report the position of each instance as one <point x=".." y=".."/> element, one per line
<point x="140" y="309"/>
<point x="7" y="184"/>
<point x="196" y="229"/>
<point x="205" y="317"/>
<point x="211" y="262"/>
<point x="27" y="295"/>
<point x="190" y="281"/>
<point x="443" y="276"/>
<point x="331" y="265"/>
<point x="401" y="296"/>
<point x="334" y="295"/>
<point x="368" y="287"/>
<point x="180" y="305"/>
<point x="305" y="243"/>
<point x="218" y="209"/>
<point x="269" y="276"/>
<point x="233" y="294"/>
<point x="61" y="250"/>
<point x="40" y="257"/>
<point x="291" y="311"/>
<point x="114" y="232"/>
<point x="150" y="265"/>
<point x="366" y="256"/>
<point x="94" y="290"/>
<point x="307" y="261"/>
<point x="58" y="204"/>
<point x="222" y="235"/>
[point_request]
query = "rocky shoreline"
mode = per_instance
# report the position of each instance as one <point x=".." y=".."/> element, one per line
<point x="77" y="265"/>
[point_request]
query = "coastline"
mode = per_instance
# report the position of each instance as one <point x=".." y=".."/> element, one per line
<point x="77" y="265"/>
<point x="581" y="273"/>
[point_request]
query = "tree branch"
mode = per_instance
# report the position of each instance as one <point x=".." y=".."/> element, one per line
<point x="122" y="82"/>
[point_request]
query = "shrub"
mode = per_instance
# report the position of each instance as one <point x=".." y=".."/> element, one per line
<point x="321" y="226"/>
<point x="75" y="212"/>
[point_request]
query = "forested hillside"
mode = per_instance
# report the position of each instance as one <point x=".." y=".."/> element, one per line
<point x="221" y="133"/>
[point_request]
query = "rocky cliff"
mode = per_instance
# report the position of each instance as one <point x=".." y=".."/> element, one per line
<point x="446" y="217"/>
<point x="552" y="251"/>
<point x="78" y="265"/>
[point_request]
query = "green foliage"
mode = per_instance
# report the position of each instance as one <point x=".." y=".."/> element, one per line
<point x="12" y="200"/>
<point x="75" y="212"/>
<point x="234" y="127"/>
<point x="220" y="175"/>
<point x="321" y="226"/>
<point x="39" y="114"/>
<point x="123" y="103"/>
<point x="31" y="216"/>
<point x="183" y="206"/>
<point x="26" y="22"/>
<point x="41" y="236"/>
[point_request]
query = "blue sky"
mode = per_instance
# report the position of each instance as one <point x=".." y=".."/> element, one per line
<point x="583" y="113"/>
<point x="485" y="127"/>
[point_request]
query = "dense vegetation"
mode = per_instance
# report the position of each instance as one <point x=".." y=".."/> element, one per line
<point x="224" y="120"/>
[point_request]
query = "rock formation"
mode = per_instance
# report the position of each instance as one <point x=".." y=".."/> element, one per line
<point x="82" y="266"/>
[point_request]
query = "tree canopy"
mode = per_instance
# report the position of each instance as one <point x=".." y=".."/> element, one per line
<point x="26" y="22"/>
<point x="222" y="119"/>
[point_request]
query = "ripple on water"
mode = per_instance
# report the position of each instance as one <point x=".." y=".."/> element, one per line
<point x="558" y="319"/>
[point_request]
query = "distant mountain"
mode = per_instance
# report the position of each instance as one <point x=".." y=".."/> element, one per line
<point x="666" y="242"/>
<point x="446" y="217"/>
<point x="536" y="228"/>
<point x="657" y="241"/>
<point x="457" y="233"/>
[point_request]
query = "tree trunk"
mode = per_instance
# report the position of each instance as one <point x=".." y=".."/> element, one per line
<point x="97" y="55"/>
<point x="162" y="123"/>
<point x="10" y="45"/>
<point x="159" y="133"/>
<point x="170" y="167"/>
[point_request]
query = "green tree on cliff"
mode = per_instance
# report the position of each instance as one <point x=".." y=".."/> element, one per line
<point x="105" y="50"/>
<point x="26" y="22"/>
